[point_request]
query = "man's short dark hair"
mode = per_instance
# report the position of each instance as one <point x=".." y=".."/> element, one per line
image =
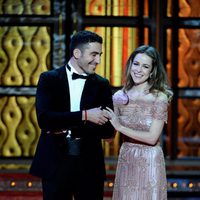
<point x="81" y="38"/>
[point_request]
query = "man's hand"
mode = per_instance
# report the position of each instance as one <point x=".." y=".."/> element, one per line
<point x="97" y="116"/>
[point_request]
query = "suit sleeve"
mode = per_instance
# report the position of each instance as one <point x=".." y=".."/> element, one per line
<point x="50" y="106"/>
<point x="105" y="100"/>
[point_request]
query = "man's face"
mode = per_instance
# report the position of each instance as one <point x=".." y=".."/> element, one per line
<point x="90" y="57"/>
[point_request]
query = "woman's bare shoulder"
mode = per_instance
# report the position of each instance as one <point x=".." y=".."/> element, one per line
<point x="161" y="97"/>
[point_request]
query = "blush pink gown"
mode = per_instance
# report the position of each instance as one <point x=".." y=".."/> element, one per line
<point x="140" y="173"/>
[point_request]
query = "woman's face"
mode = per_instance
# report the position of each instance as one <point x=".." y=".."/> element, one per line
<point x="141" y="68"/>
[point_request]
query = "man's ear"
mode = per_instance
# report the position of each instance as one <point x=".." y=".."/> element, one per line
<point x="77" y="53"/>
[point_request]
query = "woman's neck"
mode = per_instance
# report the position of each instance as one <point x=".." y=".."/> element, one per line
<point x="141" y="88"/>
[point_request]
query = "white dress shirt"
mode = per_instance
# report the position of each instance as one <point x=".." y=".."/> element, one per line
<point x="75" y="88"/>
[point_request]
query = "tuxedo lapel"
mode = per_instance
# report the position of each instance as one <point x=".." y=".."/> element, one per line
<point x="89" y="92"/>
<point x="65" y="86"/>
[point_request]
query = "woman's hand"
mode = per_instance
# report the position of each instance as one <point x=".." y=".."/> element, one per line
<point x="113" y="118"/>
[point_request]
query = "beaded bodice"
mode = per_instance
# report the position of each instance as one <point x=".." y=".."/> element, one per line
<point x="138" y="114"/>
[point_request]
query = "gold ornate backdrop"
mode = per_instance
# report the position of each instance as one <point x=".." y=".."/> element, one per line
<point x="188" y="121"/>
<point x="26" y="51"/>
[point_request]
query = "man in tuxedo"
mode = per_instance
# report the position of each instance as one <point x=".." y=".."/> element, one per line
<point x="69" y="104"/>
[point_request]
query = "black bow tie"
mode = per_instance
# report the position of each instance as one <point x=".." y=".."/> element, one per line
<point x="75" y="76"/>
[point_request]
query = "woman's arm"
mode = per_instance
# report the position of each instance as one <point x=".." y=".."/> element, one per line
<point x="159" y="117"/>
<point x="150" y="137"/>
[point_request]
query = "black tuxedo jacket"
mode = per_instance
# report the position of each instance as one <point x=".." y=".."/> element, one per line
<point x="53" y="114"/>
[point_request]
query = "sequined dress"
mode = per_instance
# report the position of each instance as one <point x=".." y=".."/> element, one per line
<point x="140" y="173"/>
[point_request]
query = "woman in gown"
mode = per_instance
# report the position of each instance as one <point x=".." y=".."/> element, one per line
<point x="140" y="111"/>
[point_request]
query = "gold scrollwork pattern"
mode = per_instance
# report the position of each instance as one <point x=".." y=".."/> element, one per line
<point x="3" y="128"/>
<point x="41" y="46"/>
<point x="189" y="127"/>
<point x="18" y="126"/>
<point x="12" y="44"/>
<point x="28" y="7"/>
<point x="186" y="8"/>
<point x="189" y="50"/>
<point x="11" y="115"/>
<point x="109" y="7"/>
<point x="189" y="58"/>
<point x="27" y="60"/>
<point x="24" y="54"/>
<point x="3" y="55"/>
<point x="189" y="8"/>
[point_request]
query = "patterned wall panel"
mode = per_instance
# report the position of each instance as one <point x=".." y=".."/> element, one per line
<point x="32" y="41"/>
<point x="188" y="81"/>
<point x="188" y="122"/>
<point x="186" y="8"/>
<point x="189" y="58"/>
<point x="24" y="54"/>
<point x="18" y="126"/>
<point x="114" y="7"/>
<point x="189" y="128"/>
<point x="109" y="7"/>
<point x="27" y="7"/>
<point x="189" y="76"/>
<point x="189" y="8"/>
